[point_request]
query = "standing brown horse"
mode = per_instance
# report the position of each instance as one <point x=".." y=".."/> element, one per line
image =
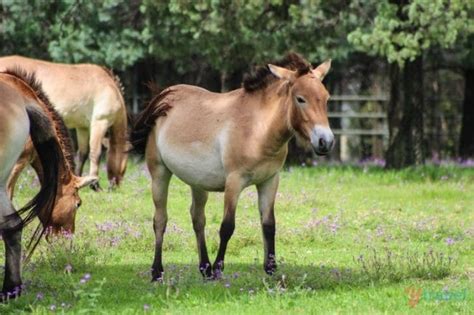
<point x="226" y="142"/>
<point x="22" y="114"/>
<point x="89" y="99"/>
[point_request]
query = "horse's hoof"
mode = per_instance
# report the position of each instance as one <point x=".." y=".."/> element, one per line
<point x="217" y="270"/>
<point x="206" y="270"/>
<point x="157" y="276"/>
<point x="96" y="187"/>
<point x="270" y="269"/>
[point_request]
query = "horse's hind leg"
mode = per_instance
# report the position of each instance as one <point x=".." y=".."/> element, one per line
<point x="160" y="181"/>
<point x="199" y="223"/>
<point x="12" y="239"/>
<point x="98" y="130"/>
<point x="266" y="202"/>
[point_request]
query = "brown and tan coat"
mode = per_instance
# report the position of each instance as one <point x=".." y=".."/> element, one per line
<point x="229" y="141"/>
<point x="25" y="112"/>
<point x="89" y="99"/>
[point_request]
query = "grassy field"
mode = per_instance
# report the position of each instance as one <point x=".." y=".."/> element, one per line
<point x="349" y="240"/>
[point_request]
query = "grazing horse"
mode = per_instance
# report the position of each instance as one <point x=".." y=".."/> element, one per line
<point x="228" y="141"/>
<point x="67" y="196"/>
<point x="22" y="114"/>
<point x="89" y="99"/>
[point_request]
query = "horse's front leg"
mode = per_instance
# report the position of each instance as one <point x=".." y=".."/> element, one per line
<point x="266" y="201"/>
<point x="160" y="181"/>
<point x="233" y="187"/>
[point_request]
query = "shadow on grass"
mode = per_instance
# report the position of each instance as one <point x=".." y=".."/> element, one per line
<point x="125" y="286"/>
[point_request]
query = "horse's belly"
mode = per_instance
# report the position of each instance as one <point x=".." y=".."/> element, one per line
<point x="196" y="165"/>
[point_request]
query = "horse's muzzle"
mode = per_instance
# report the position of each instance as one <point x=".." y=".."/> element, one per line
<point x="322" y="140"/>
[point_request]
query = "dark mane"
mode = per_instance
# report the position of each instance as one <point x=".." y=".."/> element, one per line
<point x="58" y="122"/>
<point x="262" y="77"/>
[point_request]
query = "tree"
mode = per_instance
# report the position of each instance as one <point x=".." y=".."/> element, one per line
<point x="401" y="31"/>
<point x="226" y="35"/>
<point x="103" y="32"/>
<point x="466" y="138"/>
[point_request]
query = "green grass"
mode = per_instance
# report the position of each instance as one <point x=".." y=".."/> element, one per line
<point x="349" y="240"/>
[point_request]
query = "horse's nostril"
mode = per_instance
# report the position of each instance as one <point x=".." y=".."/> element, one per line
<point x="322" y="143"/>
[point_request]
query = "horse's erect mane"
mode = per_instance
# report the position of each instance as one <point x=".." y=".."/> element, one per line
<point x="114" y="77"/>
<point x="262" y="76"/>
<point x="58" y="123"/>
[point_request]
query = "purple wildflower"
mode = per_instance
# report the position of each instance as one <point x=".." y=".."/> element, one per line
<point x="39" y="296"/>
<point x="449" y="241"/>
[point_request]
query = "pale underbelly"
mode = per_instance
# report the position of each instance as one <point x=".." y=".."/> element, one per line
<point x="196" y="168"/>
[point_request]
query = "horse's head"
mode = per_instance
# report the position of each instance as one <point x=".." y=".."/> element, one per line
<point x="67" y="203"/>
<point x="308" y="109"/>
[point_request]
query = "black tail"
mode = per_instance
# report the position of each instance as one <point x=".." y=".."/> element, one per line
<point x="145" y="121"/>
<point x="50" y="154"/>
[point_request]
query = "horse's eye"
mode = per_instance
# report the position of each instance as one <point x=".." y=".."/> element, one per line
<point x="300" y="100"/>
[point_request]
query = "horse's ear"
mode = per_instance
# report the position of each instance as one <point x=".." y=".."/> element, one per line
<point x="282" y="73"/>
<point x="82" y="181"/>
<point x="321" y="71"/>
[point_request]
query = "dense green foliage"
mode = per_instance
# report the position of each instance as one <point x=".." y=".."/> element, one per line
<point x="349" y="240"/>
<point x="402" y="30"/>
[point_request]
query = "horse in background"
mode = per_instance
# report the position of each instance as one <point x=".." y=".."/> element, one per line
<point x="229" y="141"/>
<point x="89" y="99"/>
<point x="25" y="113"/>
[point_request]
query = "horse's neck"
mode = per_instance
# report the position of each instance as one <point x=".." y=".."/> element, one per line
<point x="276" y="101"/>
<point x="66" y="167"/>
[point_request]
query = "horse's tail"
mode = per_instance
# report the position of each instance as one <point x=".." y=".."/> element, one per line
<point x="50" y="154"/>
<point x="146" y="120"/>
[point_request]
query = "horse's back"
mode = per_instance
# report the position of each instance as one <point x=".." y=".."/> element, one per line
<point x="78" y="91"/>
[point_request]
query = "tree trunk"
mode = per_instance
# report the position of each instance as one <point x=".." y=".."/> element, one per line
<point x="407" y="146"/>
<point x="466" y="140"/>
